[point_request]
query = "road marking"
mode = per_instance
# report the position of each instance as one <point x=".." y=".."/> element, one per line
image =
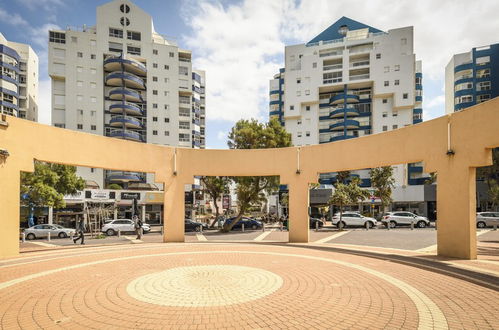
<point x="433" y="248"/>
<point x="326" y="239"/>
<point x="201" y="237"/>
<point x="262" y="236"/>
<point x="44" y="244"/>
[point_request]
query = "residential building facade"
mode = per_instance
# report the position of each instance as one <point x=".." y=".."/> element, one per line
<point x="472" y="77"/>
<point x="18" y="80"/>
<point x="122" y="79"/>
<point x="350" y="81"/>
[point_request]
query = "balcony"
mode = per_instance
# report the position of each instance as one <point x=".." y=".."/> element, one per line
<point x="129" y="122"/>
<point x="128" y="108"/>
<point x="359" y="64"/>
<point x="126" y="94"/>
<point x="125" y="134"/>
<point x="332" y="67"/>
<point x="120" y="176"/>
<point x="340" y="98"/>
<point x="128" y="79"/>
<point x="341" y="137"/>
<point x="129" y="65"/>
<point x="462" y="67"/>
<point x="348" y="124"/>
<point x="359" y="76"/>
<point x="338" y="113"/>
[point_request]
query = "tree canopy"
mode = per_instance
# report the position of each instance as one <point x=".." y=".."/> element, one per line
<point x="383" y="182"/>
<point x="215" y="187"/>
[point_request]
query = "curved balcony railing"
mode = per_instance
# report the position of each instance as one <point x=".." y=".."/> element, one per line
<point x="339" y="98"/>
<point x="129" y="65"/>
<point x="129" y="122"/>
<point x="125" y="134"/>
<point x="129" y="79"/>
<point x="348" y="124"/>
<point x="129" y="108"/>
<point x="120" y="176"/>
<point x="464" y="66"/>
<point x="341" y="137"/>
<point x="130" y="95"/>
<point x="338" y="113"/>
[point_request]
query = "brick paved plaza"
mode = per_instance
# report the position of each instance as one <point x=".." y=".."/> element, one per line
<point x="241" y="285"/>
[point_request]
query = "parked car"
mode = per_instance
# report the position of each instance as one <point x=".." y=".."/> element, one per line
<point x="194" y="226"/>
<point x="249" y="223"/>
<point x="487" y="219"/>
<point x="40" y="231"/>
<point x="313" y="221"/>
<point x="123" y="225"/>
<point x="353" y="219"/>
<point x="403" y="218"/>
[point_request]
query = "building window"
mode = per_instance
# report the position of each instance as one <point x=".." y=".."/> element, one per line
<point x="385" y="114"/>
<point x="57" y="37"/>
<point x="405" y="96"/>
<point x="154" y="132"/>
<point x="93" y="99"/>
<point x="167" y="106"/>
<point x="92" y="113"/>
<point x="124" y="8"/>
<point x="133" y="35"/>
<point x="93" y="127"/>
<point x="166" y="93"/>
<point x="307" y="108"/>
<point x="387" y="83"/>
<point x="314" y="65"/>
<point x="80" y="112"/>
<point x="154" y="92"/>
<point x="60" y="125"/>
<point x="115" y="47"/>
<point x="155" y="52"/>
<point x="167" y="120"/>
<point x="93" y="85"/>
<point x="167" y="133"/>
<point x="93" y="71"/>
<point x="387" y="69"/>
<point x="167" y="67"/>
<point x="291" y="107"/>
<point x="154" y="105"/>
<point x="116" y="33"/>
<point x="92" y="56"/>
<point x="378" y="56"/>
<point x="154" y="118"/>
<point x="482" y="98"/>
<point x="92" y="170"/>
<point x="182" y="137"/>
<point x="397" y="67"/>
<point x="298" y="134"/>
<point x="133" y="50"/>
<point x="171" y="54"/>
<point x="395" y="126"/>
<point x="298" y="93"/>
<point x="79" y="54"/>
<point x="385" y="101"/>
<point x="298" y="121"/>
<point x="484" y="73"/>
<point x="154" y="78"/>
<point x="307" y="134"/>
<point x="79" y="126"/>
<point x="298" y="80"/>
<point x="183" y="112"/>
<point x="307" y="92"/>
<point x="483" y="86"/>
<point x="395" y="113"/>
<point x="124" y="21"/>
<point x="167" y="80"/>
<point x="482" y="60"/>
<point x="403" y="41"/>
<point x="155" y="65"/>
<point x="183" y="70"/>
<point x="184" y="125"/>
<point x="397" y="82"/>
<point x="385" y="128"/>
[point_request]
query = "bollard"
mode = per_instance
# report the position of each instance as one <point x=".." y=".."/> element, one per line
<point x="412" y="225"/>
<point x="340" y="225"/>
<point x="200" y="228"/>
<point x="23" y="237"/>
<point x="367" y="225"/>
<point x="281" y="226"/>
<point x="388" y="225"/>
<point x="317" y="226"/>
<point x="495" y="226"/>
<point x="243" y="227"/>
<point x="48" y="237"/>
<point x="263" y="227"/>
<point x="119" y="233"/>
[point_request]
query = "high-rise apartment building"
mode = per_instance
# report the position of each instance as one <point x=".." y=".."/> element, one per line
<point x="120" y="78"/>
<point x="18" y="80"/>
<point x="349" y="81"/>
<point x="471" y="78"/>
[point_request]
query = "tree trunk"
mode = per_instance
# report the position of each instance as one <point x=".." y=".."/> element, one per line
<point x="217" y="214"/>
<point x="228" y="228"/>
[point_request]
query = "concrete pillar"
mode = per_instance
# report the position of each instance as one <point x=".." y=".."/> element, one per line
<point x="9" y="204"/>
<point x="456" y="212"/>
<point x="115" y="216"/>
<point x="143" y="214"/>
<point x="174" y="211"/>
<point x="298" y="212"/>
<point x="51" y="215"/>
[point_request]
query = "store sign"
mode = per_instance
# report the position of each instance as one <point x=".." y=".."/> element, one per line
<point x="100" y="194"/>
<point x="154" y="198"/>
<point x="189" y="197"/>
<point x="77" y="196"/>
<point x="226" y="202"/>
<point x="130" y="195"/>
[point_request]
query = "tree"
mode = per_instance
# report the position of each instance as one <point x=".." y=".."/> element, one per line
<point x="250" y="134"/>
<point x="494" y="193"/>
<point x="48" y="184"/>
<point x="356" y="193"/>
<point x="382" y="181"/>
<point x="340" y="197"/>
<point x="490" y="174"/>
<point x="114" y="186"/>
<point x="215" y="186"/>
<point x="431" y="179"/>
<point x="342" y="176"/>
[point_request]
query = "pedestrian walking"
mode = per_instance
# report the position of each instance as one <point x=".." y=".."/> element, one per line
<point x="138" y="227"/>
<point x="80" y="230"/>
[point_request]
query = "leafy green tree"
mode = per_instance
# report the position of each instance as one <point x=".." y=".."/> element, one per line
<point x="215" y="187"/>
<point x="114" y="186"/>
<point x="356" y="193"/>
<point x="494" y="193"/>
<point x="48" y="184"/>
<point x="340" y="197"/>
<point x="382" y="181"/>
<point x="431" y="179"/>
<point x="490" y="174"/>
<point x="250" y="134"/>
<point x="342" y="176"/>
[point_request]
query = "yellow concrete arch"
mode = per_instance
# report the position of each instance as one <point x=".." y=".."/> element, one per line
<point x="452" y="145"/>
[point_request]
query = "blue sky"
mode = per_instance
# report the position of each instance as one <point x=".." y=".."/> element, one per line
<point x="241" y="43"/>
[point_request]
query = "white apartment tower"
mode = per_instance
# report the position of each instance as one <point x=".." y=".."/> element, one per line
<point x="349" y="81"/>
<point x="18" y="80"/>
<point x="122" y="79"/>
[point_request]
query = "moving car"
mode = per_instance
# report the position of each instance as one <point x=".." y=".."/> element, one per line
<point x="123" y="225"/>
<point x="313" y="221"/>
<point x="249" y="223"/>
<point x="487" y="219"/>
<point x="40" y="231"/>
<point x="354" y="219"/>
<point x="194" y="226"/>
<point x="402" y="218"/>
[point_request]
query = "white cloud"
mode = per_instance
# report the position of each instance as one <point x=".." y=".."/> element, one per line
<point x="45" y="4"/>
<point x="434" y="107"/>
<point x="241" y="45"/>
<point x="435" y="102"/>
<point x="12" y="19"/>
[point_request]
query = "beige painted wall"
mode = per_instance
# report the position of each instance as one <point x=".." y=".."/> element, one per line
<point x="473" y="132"/>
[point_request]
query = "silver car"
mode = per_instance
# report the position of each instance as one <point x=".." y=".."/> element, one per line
<point x="353" y="219"/>
<point x="112" y="227"/>
<point x="487" y="219"/>
<point x="40" y="231"/>
<point x="401" y="218"/>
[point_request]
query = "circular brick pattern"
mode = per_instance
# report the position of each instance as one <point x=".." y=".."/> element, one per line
<point x="198" y="286"/>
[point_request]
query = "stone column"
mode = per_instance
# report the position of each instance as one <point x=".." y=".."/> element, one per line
<point x="174" y="210"/>
<point x="298" y="212"/>
<point x="9" y="206"/>
<point x="143" y="214"/>
<point x="456" y="212"/>
<point x="51" y="215"/>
